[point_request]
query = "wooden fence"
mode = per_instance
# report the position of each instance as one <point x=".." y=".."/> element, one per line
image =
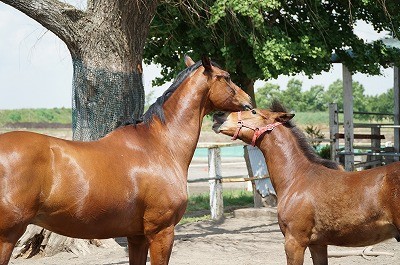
<point x="215" y="178"/>
<point x="376" y="155"/>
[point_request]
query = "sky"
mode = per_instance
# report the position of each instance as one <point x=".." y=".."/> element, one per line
<point x="36" y="67"/>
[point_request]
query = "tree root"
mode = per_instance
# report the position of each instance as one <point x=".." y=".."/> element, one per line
<point x="38" y="241"/>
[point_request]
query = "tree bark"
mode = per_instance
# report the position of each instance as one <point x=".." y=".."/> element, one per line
<point x="106" y="43"/>
<point x="248" y="87"/>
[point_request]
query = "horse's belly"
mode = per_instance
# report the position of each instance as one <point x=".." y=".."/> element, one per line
<point x="356" y="235"/>
<point x="92" y="225"/>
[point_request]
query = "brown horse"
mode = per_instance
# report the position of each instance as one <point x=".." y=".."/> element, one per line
<point x="318" y="205"/>
<point x="130" y="183"/>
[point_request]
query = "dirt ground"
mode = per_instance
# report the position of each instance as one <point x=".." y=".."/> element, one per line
<point x="246" y="238"/>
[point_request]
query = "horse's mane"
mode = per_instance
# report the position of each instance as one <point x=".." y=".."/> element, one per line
<point x="309" y="152"/>
<point x="156" y="108"/>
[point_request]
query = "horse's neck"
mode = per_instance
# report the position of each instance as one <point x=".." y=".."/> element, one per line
<point x="285" y="159"/>
<point x="183" y="119"/>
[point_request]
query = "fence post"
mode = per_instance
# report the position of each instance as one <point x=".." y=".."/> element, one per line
<point x="214" y="171"/>
<point x="396" y="86"/>
<point x="348" y="119"/>
<point x="333" y="130"/>
<point x="376" y="143"/>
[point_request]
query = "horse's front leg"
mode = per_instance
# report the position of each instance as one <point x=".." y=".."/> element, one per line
<point x="161" y="246"/>
<point x="294" y="251"/>
<point x="8" y="240"/>
<point x="319" y="254"/>
<point x="6" y="249"/>
<point x="138" y="247"/>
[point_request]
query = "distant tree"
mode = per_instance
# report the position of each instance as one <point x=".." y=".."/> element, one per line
<point x="317" y="99"/>
<point x="334" y="94"/>
<point x="314" y="99"/>
<point x="292" y="96"/>
<point x="360" y="103"/>
<point x="382" y="103"/>
<point x="266" y="94"/>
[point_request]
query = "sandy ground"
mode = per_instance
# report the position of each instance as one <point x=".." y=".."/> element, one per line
<point x="241" y="240"/>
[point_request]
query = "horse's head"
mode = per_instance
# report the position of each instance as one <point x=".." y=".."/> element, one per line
<point x="248" y="125"/>
<point x="223" y="93"/>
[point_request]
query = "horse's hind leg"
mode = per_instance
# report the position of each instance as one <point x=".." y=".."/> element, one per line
<point x="161" y="246"/>
<point x="138" y="248"/>
<point x="319" y="254"/>
<point x="294" y="251"/>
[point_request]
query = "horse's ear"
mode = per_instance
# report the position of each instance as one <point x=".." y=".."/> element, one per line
<point x="188" y="61"/>
<point x="206" y="62"/>
<point x="284" y="117"/>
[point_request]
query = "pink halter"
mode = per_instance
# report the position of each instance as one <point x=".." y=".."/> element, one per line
<point x="258" y="131"/>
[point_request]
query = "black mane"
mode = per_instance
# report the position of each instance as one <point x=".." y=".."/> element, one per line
<point x="302" y="140"/>
<point x="156" y="108"/>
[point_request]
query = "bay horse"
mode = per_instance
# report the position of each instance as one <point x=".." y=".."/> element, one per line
<point x="130" y="183"/>
<point x="318" y="203"/>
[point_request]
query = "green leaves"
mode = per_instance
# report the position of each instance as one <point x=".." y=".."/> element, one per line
<point x="256" y="39"/>
<point x="253" y="9"/>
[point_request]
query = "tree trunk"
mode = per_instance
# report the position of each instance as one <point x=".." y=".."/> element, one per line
<point x="106" y="43"/>
<point x="248" y="87"/>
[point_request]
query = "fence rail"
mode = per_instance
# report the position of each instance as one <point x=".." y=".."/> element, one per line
<point x="348" y="136"/>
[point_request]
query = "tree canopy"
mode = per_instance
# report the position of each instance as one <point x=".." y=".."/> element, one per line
<point x="264" y="39"/>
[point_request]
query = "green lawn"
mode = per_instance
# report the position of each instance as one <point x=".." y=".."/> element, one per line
<point x="198" y="207"/>
<point x="55" y="115"/>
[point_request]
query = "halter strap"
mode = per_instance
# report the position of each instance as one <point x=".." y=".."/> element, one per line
<point x="258" y="131"/>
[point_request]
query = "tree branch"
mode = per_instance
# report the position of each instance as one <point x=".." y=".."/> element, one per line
<point x="60" y="18"/>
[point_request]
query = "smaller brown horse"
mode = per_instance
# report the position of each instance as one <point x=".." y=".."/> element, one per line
<point x="318" y="205"/>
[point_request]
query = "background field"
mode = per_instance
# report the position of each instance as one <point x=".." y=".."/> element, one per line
<point x="63" y="116"/>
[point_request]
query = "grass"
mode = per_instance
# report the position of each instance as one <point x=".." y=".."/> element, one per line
<point x="198" y="207"/>
<point x="311" y="118"/>
<point x="55" y="115"/>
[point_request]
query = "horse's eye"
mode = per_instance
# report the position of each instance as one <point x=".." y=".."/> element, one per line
<point x="253" y="111"/>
